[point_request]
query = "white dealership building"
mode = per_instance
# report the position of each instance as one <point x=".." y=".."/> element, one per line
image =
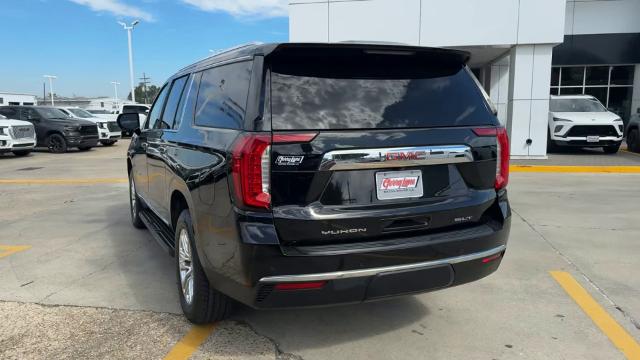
<point x="522" y="50"/>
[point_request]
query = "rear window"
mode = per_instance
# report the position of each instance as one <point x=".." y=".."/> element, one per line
<point x="381" y="93"/>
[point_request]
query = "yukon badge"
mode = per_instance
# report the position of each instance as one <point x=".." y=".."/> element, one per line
<point x="289" y="160"/>
<point x="344" y="231"/>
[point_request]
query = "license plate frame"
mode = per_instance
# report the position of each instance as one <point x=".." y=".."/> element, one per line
<point x="593" y="138"/>
<point x="402" y="184"/>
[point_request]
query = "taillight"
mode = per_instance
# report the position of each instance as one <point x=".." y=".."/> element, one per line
<point x="251" y="168"/>
<point x="502" y="164"/>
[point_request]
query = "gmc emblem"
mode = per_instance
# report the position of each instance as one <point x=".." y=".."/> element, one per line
<point x="405" y="155"/>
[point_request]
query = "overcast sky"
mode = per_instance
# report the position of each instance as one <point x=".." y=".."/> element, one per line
<point x="81" y="42"/>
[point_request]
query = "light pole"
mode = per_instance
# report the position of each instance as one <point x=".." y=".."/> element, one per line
<point x="115" y="89"/>
<point x="129" y="29"/>
<point x="50" y="77"/>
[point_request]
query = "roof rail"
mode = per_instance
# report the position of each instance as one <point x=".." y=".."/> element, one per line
<point x="238" y="47"/>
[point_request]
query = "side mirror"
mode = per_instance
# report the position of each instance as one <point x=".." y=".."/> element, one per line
<point x="129" y="122"/>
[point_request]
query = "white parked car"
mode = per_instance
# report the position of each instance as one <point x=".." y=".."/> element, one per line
<point x="16" y="136"/>
<point x="582" y="121"/>
<point x="108" y="130"/>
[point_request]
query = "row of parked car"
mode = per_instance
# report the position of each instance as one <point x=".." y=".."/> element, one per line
<point x="23" y="128"/>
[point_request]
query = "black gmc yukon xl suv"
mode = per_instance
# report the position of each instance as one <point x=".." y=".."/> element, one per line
<point x="55" y="130"/>
<point x="288" y="175"/>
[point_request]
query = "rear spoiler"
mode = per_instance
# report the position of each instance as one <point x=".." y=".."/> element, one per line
<point x="349" y="48"/>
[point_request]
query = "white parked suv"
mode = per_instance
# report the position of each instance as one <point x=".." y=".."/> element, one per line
<point x="16" y="136"/>
<point x="582" y="121"/>
<point x="140" y="109"/>
<point x="108" y="130"/>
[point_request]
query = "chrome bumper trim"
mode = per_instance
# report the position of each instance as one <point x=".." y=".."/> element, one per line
<point x="375" y="271"/>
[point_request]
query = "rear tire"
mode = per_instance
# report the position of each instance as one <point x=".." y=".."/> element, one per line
<point x="57" y="144"/>
<point x="134" y="205"/>
<point x="107" y="142"/>
<point x="84" y="148"/>
<point x="611" y="149"/>
<point x="633" y="140"/>
<point x="200" y="302"/>
<point x="21" y="152"/>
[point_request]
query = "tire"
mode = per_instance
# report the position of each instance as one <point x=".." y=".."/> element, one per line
<point x="107" y="142"/>
<point x="633" y="140"/>
<point x="611" y="149"/>
<point x="57" y="144"/>
<point x="21" y="152"/>
<point x="201" y="304"/>
<point x="84" y="148"/>
<point x="134" y="205"/>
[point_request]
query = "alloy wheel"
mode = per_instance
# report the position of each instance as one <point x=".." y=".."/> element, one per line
<point x="186" y="266"/>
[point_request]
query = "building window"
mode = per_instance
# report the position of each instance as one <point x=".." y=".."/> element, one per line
<point x="1" y="101"/>
<point x="612" y="85"/>
<point x="13" y="103"/>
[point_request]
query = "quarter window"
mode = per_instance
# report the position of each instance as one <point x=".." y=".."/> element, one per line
<point x="222" y="98"/>
<point x="156" y="109"/>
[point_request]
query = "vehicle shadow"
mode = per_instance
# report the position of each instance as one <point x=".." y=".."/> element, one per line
<point x="310" y="328"/>
<point x="146" y="275"/>
<point x="143" y="273"/>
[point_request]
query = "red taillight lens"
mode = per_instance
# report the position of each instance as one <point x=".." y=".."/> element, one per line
<point x="251" y="168"/>
<point x="301" y="285"/>
<point x="502" y="166"/>
<point x="502" y="172"/>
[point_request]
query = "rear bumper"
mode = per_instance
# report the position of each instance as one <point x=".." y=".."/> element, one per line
<point x="358" y="274"/>
<point x="378" y="283"/>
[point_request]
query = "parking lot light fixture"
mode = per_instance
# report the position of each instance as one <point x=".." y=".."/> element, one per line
<point x="129" y="29"/>
<point x="50" y="77"/>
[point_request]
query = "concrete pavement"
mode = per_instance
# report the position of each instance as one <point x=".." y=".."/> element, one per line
<point x="91" y="285"/>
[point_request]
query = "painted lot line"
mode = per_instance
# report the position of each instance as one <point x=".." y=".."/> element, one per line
<point x="616" y="333"/>
<point x="63" y="181"/>
<point x="190" y="342"/>
<point x="575" y="169"/>
<point x="513" y="168"/>
<point x="6" y="250"/>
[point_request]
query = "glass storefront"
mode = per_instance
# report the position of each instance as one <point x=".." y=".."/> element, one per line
<point x="612" y="85"/>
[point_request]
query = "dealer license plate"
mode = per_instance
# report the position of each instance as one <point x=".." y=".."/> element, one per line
<point x="399" y="184"/>
<point x="593" y="139"/>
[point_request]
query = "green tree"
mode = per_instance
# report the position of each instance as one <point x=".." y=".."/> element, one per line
<point x="141" y="96"/>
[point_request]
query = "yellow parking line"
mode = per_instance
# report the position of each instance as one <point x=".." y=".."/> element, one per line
<point x="616" y="333"/>
<point x="190" y="342"/>
<point x="63" y="181"/>
<point x="575" y="169"/>
<point x="6" y="250"/>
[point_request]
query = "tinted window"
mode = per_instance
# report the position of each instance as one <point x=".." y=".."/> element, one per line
<point x="172" y="104"/>
<point x="222" y="97"/>
<point x="576" y="105"/>
<point x="156" y="109"/>
<point x="132" y="109"/>
<point x="188" y="102"/>
<point x="10" y="113"/>
<point x="368" y="96"/>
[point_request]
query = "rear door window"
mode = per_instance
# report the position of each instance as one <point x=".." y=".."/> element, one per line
<point x="222" y="99"/>
<point x="374" y="95"/>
